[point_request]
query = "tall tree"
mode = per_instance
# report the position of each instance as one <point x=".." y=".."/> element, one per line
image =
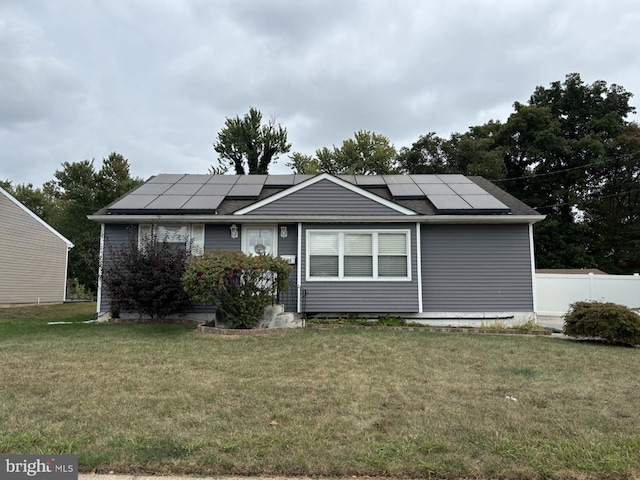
<point x="475" y="152"/>
<point x="365" y="154"/>
<point x="304" y="164"/>
<point x="79" y="190"/>
<point x="571" y="153"/>
<point x="39" y="200"/>
<point x="612" y="206"/>
<point x="559" y="149"/>
<point x="428" y="155"/>
<point x="248" y="146"/>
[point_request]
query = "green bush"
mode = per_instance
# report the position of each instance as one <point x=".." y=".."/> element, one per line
<point x="390" y="321"/>
<point x="240" y="286"/>
<point x="610" y="322"/>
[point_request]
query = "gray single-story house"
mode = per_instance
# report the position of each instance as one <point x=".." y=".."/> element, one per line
<point x="33" y="256"/>
<point x="436" y="247"/>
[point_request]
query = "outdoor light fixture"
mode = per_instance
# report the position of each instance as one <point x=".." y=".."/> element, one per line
<point x="283" y="232"/>
<point x="234" y="231"/>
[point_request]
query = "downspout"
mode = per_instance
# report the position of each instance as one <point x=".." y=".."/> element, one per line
<point x="66" y="272"/>
<point x="299" y="270"/>
<point x="419" y="267"/>
<point x="101" y="259"/>
<point x="534" y="289"/>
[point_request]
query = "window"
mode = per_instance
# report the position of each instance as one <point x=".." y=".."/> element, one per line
<point x="177" y="235"/>
<point x="259" y="240"/>
<point x="358" y="255"/>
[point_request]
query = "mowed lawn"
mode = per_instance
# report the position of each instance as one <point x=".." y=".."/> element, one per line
<point x="134" y="398"/>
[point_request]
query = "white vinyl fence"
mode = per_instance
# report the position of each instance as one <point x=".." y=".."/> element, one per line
<point x="555" y="292"/>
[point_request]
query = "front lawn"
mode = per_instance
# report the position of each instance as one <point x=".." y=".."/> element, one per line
<point x="134" y="398"/>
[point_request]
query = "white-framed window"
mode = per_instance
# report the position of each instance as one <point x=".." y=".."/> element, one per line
<point x="178" y="235"/>
<point x="346" y="255"/>
<point x="259" y="239"/>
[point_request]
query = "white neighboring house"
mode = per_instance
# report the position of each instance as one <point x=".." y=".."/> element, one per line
<point x="33" y="256"/>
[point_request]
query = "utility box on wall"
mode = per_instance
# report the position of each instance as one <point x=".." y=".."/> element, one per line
<point x="291" y="259"/>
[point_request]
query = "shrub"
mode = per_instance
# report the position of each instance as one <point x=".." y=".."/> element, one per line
<point x="391" y="321"/>
<point x="610" y="322"/>
<point x="240" y="286"/>
<point x="146" y="279"/>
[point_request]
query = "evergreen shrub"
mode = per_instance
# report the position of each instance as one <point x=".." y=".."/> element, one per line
<point x="608" y="321"/>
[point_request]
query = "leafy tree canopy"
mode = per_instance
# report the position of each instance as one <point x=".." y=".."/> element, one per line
<point x="248" y="146"/>
<point x="76" y="191"/>
<point x="572" y="154"/>
<point x="367" y="153"/>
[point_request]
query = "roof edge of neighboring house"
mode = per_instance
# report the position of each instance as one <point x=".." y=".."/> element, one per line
<point x="36" y="217"/>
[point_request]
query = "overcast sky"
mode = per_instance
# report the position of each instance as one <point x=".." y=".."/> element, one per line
<point x="154" y="80"/>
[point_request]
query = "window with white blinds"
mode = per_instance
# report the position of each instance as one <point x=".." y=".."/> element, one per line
<point x="358" y="255"/>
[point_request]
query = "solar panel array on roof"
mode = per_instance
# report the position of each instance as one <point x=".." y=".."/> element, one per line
<point x="449" y="194"/>
<point x="190" y="192"/>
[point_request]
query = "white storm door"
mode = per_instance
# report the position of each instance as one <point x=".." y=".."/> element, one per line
<point x="259" y="240"/>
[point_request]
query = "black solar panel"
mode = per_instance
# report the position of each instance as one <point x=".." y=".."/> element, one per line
<point x="168" y="202"/>
<point x="449" y="194"/>
<point x="251" y="179"/>
<point x="405" y="190"/>
<point x="183" y="189"/>
<point x="133" y="202"/>
<point x="201" y="179"/>
<point x="152" y="189"/>
<point x="223" y="179"/>
<point x="245" y="191"/>
<point x="370" y="180"/>
<point x="203" y="202"/>
<point x="436" y="189"/>
<point x="166" y="178"/>
<point x="485" y="202"/>
<point x="449" y="203"/>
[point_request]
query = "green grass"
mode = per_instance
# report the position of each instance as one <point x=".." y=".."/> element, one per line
<point x="134" y="398"/>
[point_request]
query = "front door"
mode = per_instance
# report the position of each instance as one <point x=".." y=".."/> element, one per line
<point x="259" y="240"/>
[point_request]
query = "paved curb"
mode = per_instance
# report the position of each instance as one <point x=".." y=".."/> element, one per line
<point x="92" y="476"/>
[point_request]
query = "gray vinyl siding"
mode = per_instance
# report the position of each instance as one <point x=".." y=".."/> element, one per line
<point x="115" y="237"/>
<point x="324" y="198"/>
<point x="476" y="268"/>
<point x="33" y="259"/>
<point x="359" y="296"/>
<point x="289" y="246"/>
<point x="219" y="237"/>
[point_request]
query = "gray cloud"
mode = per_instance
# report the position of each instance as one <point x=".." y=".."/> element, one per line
<point x="155" y="80"/>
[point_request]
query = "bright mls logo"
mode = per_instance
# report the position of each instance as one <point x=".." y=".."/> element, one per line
<point x="49" y="467"/>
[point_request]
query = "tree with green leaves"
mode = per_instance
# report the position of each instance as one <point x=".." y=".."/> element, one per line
<point x="366" y="153"/>
<point x="39" y="200"/>
<point x="79" y="190"/>
<point x="249" y="146"/>
<point x="572" y="154"/>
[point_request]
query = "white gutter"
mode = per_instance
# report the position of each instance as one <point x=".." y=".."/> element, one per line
<point x="435" y="219"/>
